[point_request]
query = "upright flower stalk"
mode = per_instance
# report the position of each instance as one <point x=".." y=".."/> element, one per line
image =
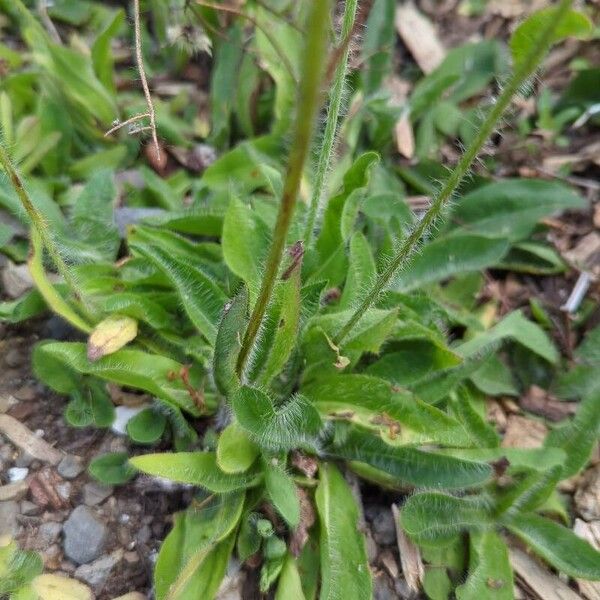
<point x="309" y="96"/>
<point x="525" y="68"/>
<point x="333" y="113"/>
<point x="37" y="220"/>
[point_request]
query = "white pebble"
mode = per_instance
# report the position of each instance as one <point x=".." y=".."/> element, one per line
<point x="123" y="414"/>
<point x="17" y="474"/>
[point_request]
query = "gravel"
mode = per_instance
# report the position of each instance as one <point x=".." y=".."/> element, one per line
<point x="96" y="493"/>
<point x="70" y="467"/>
<point x="85" y="536"/>
<point x="97" y="573"/>
<point x="8" y="518"/>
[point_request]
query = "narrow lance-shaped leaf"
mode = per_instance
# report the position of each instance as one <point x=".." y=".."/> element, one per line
<point x="282" y="492"/>
<point x="556" y="544"/>
<point x="361" y="273"/>
<point x="448" y="256"/>
<point x="371" y="397"/>
<point x="511" y="208"/>
<point x="344" y="564"/>
<point x="490" y="574"/>
<point x="531" y="492"/>
<point x="289" y="586"/>
<point x="514" y="327"/>
<point x="201" y="297"/>
<point x="197" y="468"/>
<point x="184" y="565"/>
<point x="411" y="465"/>
<point x="280" y="325"/>
<point x="229" y="341"/>
<point x="245" y="243"/>
<point x="578" y="437"/>
<point x="433" y="518"/>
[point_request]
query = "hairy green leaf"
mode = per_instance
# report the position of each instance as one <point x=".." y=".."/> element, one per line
<point x="292" y="424"/>
<point x="511" y="208"/>
<point x="370" y="397"/>
<point x="556" y="544"/>
<point x="194" y="556"/>
<point x="490" y="574"/>
<point x="435" y="518"/>
<point x="229" y="341"/>
<point x="282" y="492"/>
<point x="344" y="565"/>
<point x="197" y="468"/>
<point x="448" y="256"/>
<point x="411" y="465"/>
<point x="280" y="324"/>
<point x="361" y="271"/>
<point x="112" y="468"/>
<point x="289" y="586"/>
<point x="245" y="242"/>
<point x="155" y="374"/>
<point x="236" y="452"/>
<point x="578" y="437"/>
<point x="147" y="426"/>
<point x="201" y="297"/>
<point x="514" y="327"/>
<point x="527" y="35"/>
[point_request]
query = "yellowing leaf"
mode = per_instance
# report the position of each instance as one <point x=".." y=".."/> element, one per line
<point x="111" y="335"/>
<point x="55" y="587"/>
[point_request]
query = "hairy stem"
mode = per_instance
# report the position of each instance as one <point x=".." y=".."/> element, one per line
<point x="310" y="93"/>
<point x="37" y="221"/>
<point x="525" y="69"/>
<point x="333" y="112"/>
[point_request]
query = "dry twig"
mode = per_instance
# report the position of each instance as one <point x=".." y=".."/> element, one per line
<point x="151" y="113"/>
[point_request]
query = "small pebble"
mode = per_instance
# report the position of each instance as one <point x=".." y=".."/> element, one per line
<point x="29" y="509"/>
<point x="17" y="474"/>
<point x="64" y="490"/>
<point x="85" y="536"/>
<point x="24" y="459"/>
<point x="8" y="518"/>
<point x="70" y="467"/>
<point x="13" y="358"/>
<point x="47" y="534"/>
<point x="96" y="493"/>
<point x="25" y="393"/>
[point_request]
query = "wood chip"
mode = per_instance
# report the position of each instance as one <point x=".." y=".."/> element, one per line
<point x="420" y="37"/>
<point x="524" y="433"/>
<point x="410" y="557"/>
<point x="13" y="491"/>
<point x="541" y="582"/>
<point x="307" y="520"/>
<point x="404" y="136"/>
<point x="26" y="440"/>
<point x="495" y="414"/>
<point x="587" y="496"/>
<point x="591" y="534"/>
<point x="7" y="402"/>
<point x="586" y="254"/>
<point x="43" y="487"/>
